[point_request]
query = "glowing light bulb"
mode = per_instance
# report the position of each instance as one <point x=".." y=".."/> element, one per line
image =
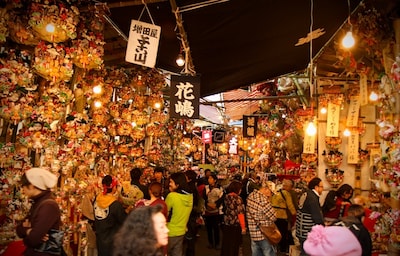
<point x="180" y="61"/>
<point x="373" y="96"/>
<point x="311" y="130"/>
<point x="97" y="104"/>
<point x="346" y="132"/>
<point x="323" y="110"/>
<point x="50" y="28"/>
<point x="348" y="40"/>
<point x="133" y="124"/>
<point x="157" y="105"/>
<point x="97" y="89"/>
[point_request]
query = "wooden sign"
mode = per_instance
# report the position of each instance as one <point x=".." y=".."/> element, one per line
<point x="332" y="124"/>
<point x="143" y="43"/>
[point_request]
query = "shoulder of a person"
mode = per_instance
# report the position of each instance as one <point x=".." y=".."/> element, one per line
<point x="48" y="202"/>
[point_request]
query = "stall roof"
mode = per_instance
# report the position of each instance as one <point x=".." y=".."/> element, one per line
<point x="235" y="43"/>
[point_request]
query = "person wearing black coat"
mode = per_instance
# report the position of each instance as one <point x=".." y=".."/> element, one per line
<point x="354" y="222"/>
<point x="309" y="212"/>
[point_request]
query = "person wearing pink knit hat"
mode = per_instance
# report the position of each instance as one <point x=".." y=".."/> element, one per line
<point x="332" y="241"/>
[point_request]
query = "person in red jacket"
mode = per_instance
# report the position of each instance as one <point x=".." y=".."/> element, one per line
<point x="337" y="203"/>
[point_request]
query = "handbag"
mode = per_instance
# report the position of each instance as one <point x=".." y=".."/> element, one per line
<point x="271" y="233"/>
<point x="54" y="244"/>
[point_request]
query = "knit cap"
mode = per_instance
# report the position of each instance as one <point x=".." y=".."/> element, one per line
<point x="41" y="178"/>
<point x="332" y="241"/>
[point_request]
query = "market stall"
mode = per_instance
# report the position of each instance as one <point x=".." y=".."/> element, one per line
<point x="63" y="110"/>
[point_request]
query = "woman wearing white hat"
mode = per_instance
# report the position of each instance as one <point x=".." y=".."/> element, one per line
<point x="44" y="214"/>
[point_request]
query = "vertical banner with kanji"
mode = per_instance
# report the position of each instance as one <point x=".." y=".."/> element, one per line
<point x="352" y="115"/>
<point x="332" y="123"/>
<point x="143" y="43"/>
<point x="250" y="126"/>
<point x="184" y="97"/>
<point x="363" y="90"/>
<point x="352" y="148"/>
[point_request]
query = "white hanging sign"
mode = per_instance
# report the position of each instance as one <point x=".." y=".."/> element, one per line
<point x="352" y="156"/>
<point x="143" y="43"/>
<point x="332" y="124"/>
<point x="352" y="115"/>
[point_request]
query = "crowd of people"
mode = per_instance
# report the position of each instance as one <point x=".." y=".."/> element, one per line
<point x="165" y="220"/>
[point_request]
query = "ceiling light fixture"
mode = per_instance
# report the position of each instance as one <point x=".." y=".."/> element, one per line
<point x="180" y="61"/>
<point x="348" y="41"/>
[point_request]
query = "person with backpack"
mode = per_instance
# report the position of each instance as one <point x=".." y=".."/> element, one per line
<point x="213" y="196"/>
<point x="109" y="215"/>
<point x="249" y="185"/>
<point x="354" y="221"/>
<point x="285" y="209"/>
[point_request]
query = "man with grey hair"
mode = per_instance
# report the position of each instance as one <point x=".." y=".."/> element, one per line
<point x="259" y="212"/>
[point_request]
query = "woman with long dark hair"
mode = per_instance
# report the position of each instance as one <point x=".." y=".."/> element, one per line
<point x="144" y="232"/>
<point x="337" y="202"/>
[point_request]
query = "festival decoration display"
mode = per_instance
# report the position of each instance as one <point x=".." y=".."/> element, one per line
<point x="53" y="61"/>
<point x="3" y="24"/>
<point x="20" y="31"/>
<point x="54" y="23"/>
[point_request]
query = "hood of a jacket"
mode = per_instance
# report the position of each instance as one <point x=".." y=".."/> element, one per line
<point x="105" y="201"/>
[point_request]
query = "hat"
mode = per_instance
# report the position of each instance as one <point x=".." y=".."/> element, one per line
<point x="332" y="241"/>
<point x="41" y="178"/>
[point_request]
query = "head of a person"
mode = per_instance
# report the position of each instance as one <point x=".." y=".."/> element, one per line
<point x="345" y="191"/>
<point x="207" y="172"/>
<point x="178" y="183"/>
<point x="287" y="184"/>
<point x="238" y="177"/>
<point x="36" y="180"/>
<point x="155" y="189"/>
<point x="356" y="210"/>
<point x="191" y="175"/>
<point x="109" y="184"/>
<point x="362" y="200"/>
<point x="316" y="184"/>
<point x="234" y="187"/>
<point x="159" y="173"/>
<point x="144" y="232"/>
<point x="333" y="241"/>
<point x="253" y="175"/>
<point x="265" y="189"/>
<point x="136" y="173"/>
<point x="212" y="179"/>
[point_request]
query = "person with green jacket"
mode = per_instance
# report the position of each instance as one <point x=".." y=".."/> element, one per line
<point x="179" y="203"/>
